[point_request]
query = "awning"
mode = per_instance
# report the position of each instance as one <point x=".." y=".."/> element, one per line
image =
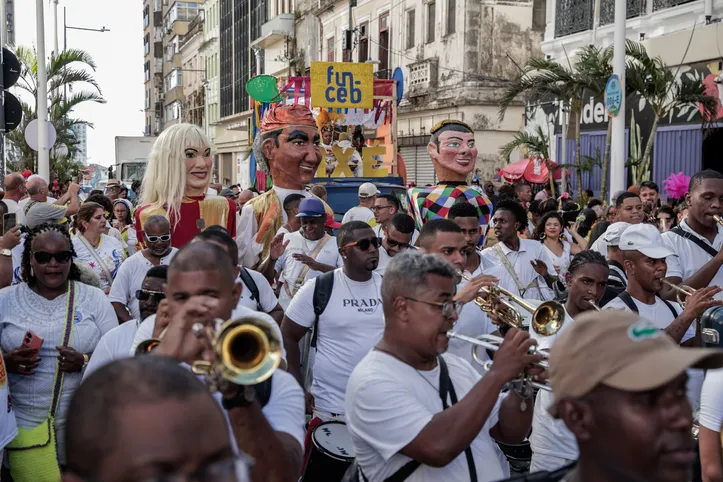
<point x="531" y="170"/>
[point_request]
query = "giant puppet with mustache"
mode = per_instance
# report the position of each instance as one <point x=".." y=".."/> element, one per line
<point x="288" y="146"/>
<point x="454" y="154"/>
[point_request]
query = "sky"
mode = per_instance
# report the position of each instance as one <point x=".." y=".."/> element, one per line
<point x="118" y="55"/>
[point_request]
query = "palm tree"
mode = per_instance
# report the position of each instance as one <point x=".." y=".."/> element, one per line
<point x="537" y="144"/>
<point x="66" y="72"/>
<point x="659" y="86"/>
<point x="543" y="79"/>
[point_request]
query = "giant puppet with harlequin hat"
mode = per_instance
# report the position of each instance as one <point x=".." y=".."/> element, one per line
<point x="454" y="153"/>
<point x="288" y="147"/>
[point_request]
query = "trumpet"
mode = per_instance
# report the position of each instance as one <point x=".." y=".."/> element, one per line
<point x="147" y="346"/>
<point x="680" y="290"/>
<point x="547" y="318"/>
<point x="246" y="351"/>
<point x="718" y="219"/>
<point x="493" y="343"/>
<point x="594" y="305"/>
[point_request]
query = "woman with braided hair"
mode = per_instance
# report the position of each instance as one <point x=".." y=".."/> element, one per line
<point x="67" y="315"/>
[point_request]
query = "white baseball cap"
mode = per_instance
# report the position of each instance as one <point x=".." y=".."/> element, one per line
<point x="644" y="238"/>
<point x="612" y="234"/>
<point x="368" y="190"/>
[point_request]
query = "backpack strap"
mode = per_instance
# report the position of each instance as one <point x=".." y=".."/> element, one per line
<point x="322" y="294"/>
<point x="263" y="391"/>
<point x="695" y="239"/>
<point x="248" y="280"/>
<point x="628" y="300"/>
<point x="670" y="307"/>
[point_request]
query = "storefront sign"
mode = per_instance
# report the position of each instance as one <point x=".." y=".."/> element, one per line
<point x="342" y="85"/>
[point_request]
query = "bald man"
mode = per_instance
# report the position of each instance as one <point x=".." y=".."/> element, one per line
<point x="37" y="209"/>
<point x="14" y="192"/>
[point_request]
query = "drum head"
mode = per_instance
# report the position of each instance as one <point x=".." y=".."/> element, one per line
<point x="333" y="439"/>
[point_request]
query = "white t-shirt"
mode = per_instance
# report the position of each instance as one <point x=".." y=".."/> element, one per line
<point x="109" y="250"/>
<point x="520" y="261"/>
<point x="114" y="345"/>
<point x="129" y="279"/>
<point x="145" y="329"/>
<point x="267" y="298"/>
<point x="291" y="268"/>
<point x="689" y="258"/>
<point x="359" y="213"/>
<point x="381" y="234"/>
<point x="661" y="316"/>
<point x="388" y="403"/>
<point x="384" y="260"/>
<point x="352" y="323"/>
<point x="8" y="426"/>
<point x="711" y="408"/>
<point x="247" y="228"/>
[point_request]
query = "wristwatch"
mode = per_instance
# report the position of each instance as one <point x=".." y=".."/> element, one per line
<point x="6" y="252"/>
<point x="86" y="359"/>
<point x="245" y="397"/>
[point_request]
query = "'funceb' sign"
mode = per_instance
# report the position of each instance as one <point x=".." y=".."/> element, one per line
<point x="342" y="85"/>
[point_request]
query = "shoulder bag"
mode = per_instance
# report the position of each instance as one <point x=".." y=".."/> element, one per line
<point x="33" y="453"/>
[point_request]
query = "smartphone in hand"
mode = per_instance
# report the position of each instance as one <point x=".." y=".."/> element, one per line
<point x="9" y="222"/>
<point x="31" y="340"/>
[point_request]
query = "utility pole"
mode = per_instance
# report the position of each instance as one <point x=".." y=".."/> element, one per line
<point x="348" y="34"/>
<point x="617" y="148"/>
<point x="43" y="148"/>
<point x="563" y="147"/>
<point x="55" y="28"/>
<point x="3" y="39"/>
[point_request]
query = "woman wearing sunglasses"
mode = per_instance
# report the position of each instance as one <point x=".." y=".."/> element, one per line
<point x="101" y="252"/>
<point x="123" y="222"/>
<point x="49" y="323"/>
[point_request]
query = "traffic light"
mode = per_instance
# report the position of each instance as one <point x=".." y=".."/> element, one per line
<point x="12" y="113"/>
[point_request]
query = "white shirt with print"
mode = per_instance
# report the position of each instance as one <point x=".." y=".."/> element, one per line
<point x="352" y="323"/>
<point x="388" y="403"/>
<point x="129" y="279"/>
<point x="111" y="253"/>
<point x="521" y="263"/>
<point x="661" y="316"/>
<point x="359" y="213"/>
<point x="291" y="268"/>
<point x="267" y="298"/>
<point x="689" y="258"/>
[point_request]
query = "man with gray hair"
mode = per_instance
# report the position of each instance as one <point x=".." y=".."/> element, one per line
<point x="392" y="398"/>
<point x="36" y="208"/>
<point x="14" y="192"/>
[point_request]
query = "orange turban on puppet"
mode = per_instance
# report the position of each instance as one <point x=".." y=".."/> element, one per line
<point x="283" y="116"/>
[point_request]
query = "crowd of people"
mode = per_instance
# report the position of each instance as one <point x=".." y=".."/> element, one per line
<point x="348" y="352"/>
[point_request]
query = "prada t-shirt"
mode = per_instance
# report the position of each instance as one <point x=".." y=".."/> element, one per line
<point x="350" y="326"/>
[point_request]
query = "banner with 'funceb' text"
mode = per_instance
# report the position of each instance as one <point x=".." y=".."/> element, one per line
<point x="342" y="85"/>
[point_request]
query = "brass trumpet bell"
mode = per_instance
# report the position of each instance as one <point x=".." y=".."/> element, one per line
<point x="246" y="351"/>
<point x="147" y="346"/>
<point x="548" y="318"/>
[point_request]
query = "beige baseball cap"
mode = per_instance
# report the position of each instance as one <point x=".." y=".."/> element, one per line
<point x="612" y="234"/>
<point x="622" y="351"/>
<point x="368" y="190"/>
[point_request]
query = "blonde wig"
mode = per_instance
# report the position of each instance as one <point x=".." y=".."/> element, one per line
<point x="164" y="182"/>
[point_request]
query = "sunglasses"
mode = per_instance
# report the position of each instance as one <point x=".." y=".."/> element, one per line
<point x="153" y="239"/>
<point x="394" y="244"/>
<point x="448" y="307"/>
<point x="43" y="257"/>
<point x="364" y="244"/>
<point x="378" y="208"/>
<point x="155" y="296"/>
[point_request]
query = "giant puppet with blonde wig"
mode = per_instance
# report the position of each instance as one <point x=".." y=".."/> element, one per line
<point x="175" y="185"/>
<point x="453" y="152"/>
<point x="288" y="146"/>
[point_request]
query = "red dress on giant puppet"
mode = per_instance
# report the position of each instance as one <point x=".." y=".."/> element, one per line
<point x="288" y="146"/>
<point x="454" y="153"/>
<point x="176" y="183"/>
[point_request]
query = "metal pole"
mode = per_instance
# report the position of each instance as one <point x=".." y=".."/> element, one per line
<point x="43" y="152"/>
<point x="563" y="148"/>
<point x="3" y="39"/>
<point x="56" y="52"/>
<point x="617" y="149"/>
<point x="65" y="47"/>
<point x="348" y="36"/>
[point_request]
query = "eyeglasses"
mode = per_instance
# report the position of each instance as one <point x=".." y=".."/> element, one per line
<point x="377" y="208"/>
<point x="364" y="244"/>
<point x="220" y="471"/>
<point x="154" y="296"/>
<point x="394" y="244"/>
<point x="43" y="257"/>
<point x="448" y="307"/>
<point x="153" y="239"/>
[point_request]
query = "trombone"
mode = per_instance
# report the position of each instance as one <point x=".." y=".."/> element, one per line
<point x="547" y="318"/>
<point x="493" y="343"/>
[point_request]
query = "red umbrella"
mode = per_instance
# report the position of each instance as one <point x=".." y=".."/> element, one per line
<point x="514" y="172"/>
<point x="536" y="171"/>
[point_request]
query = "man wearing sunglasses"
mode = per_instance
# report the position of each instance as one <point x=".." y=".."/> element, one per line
<point x="116" y="344"/>
<point x="398" y="237"/>
<point x="394" y="412"/>
<point x="158" y="251"/>
<point x="351" y="324"/>
<point x="386" y="206"/>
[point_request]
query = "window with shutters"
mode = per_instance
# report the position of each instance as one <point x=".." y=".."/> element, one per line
<point x="330" y="54"/>
<point x="451" y="16"/>
<point x="384" y="42"/>
<point x="363" y="41"/>
<point x="431" y="20"/>
<point x="411" y="14"/>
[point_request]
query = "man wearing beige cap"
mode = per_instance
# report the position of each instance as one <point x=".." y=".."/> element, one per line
<point x="644" y="256"/>
<point x="363" y="212"/>
<point x="620" y="385"/>
<point x="113" y="189"/>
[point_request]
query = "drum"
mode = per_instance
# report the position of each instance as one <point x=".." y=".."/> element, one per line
<point x="332" y="452"/>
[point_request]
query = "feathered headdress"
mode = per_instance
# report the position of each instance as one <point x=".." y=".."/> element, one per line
<point x="676" y="185"/>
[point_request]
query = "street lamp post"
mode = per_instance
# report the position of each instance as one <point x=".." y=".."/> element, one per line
<point x="67" y="27"/>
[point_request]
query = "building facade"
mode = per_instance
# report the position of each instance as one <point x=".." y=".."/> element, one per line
<point x="81" y="135"/>
<point x="685" y="35"/>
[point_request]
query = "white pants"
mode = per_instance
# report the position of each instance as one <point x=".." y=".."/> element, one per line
<point x="542" y="462"/>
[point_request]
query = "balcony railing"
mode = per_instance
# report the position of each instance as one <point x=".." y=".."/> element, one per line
<point x="383" y="74"/>
<point x="635" y="8"/>
<point x="573" y="16"/>
<point x="661" y="4"/>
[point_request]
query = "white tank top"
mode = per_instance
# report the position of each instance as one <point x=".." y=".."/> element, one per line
<point x="562" y="261"/>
